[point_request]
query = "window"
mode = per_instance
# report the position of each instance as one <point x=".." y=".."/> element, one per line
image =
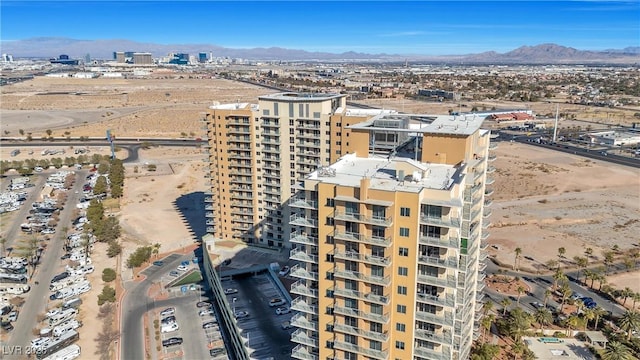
<point x="351" y="321"/>
<point x="351" y="208"/>
<point x="402" y="309"/>
<point x="403" y="251"/>
<point x="375" y="345"/>
<point x="316" y="115"/>
<point x="403" y="271"/>
<point x="401" y="327"/>
<point x="351" y="339"/>
<point x="329" y="202"/>
<point x="377" y="271"/>
<point x="404" y="231"/>
<point x="400" y="345"/>
<point x="350" y="356"/>
<point x="351" y="303"/>
<point x="375" y="327"/>
<point x="404" y="211"/>
<point x="291" y="110"/>
<point x="376" y="309"/>
<point x="329" y="293"/>
<point x="275" y="109"/>
<point x="265" y="112"/>
<point x="402" y="290"/>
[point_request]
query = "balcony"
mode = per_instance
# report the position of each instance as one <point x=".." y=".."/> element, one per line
<point x="271" y="174"/>
<point x="480" y="287"/>
<point x="211" y="229"/>
<point x="450" y="262"/>
<point x="239" y="130"/>
<point x="271" y="149"/>
<point x="444" y="318"/>
<point x="343" y="328"/>
<point x="365" y="239"/>
<point x="300" y="220"/>
<point x="302" y="273"/>
<point x="433" y="354"/>
<point x="298" y="304"/>
<point x="350" y="255"/>
<point x="272" y="191"/>
<point x="370" y="297"/>
<point x="299" y="288"/>
<point x="300" y="320"/>
<point x="306" y="125"/>
<point x="442" y="337"/>
<point x="374" y="220"/>
<point x="451" y="222"/>
<point x="371" y="353"/>
<point x="448" y="242"/>
<point x="489" y="180"/>
<point x="208" y="207"/>
<point x="361" y="314"/>
<point x="210" y="222"/>
<point x="492" y="158"/>
<point x="308" y="143"/>
<point x="241" y="196"/>
<point x="493" y="145"/>
<point x="241" y="180"/>
<point x="305" y="161"/>
<point x="448" y="281"/>
<point x="243" y="219"/>
<point x="491" y="169"/>
<point x="270" y="133"/>
<point x="488" y="202"/>
<point x="300" y="352"/>
<point x="487" y="213"/>
<point x="302" y="238"/>
<point x="301" y="202"/>
<point x="208" y="214"/>
<point x="300" y="255"/>
<point x="447" y="300"/>
<point x="270" y="141"/>
<point x="242" y="204"/>
<point x="313" y="135"/>
<point x="354" y="275"/>
<point x="488" y="192"/>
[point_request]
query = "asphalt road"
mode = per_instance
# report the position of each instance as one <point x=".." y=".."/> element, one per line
<point x="135" y="304"/>
<point x="38" y="297"/>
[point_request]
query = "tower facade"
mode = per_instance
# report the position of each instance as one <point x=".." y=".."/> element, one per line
<point x="389" y="242"/>
<point x="259" y="153"/>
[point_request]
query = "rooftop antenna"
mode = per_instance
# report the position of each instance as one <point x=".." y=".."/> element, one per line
<point x="555" y="127"/>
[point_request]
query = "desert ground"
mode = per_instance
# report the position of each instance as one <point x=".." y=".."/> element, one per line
<point x="543" y="199"/>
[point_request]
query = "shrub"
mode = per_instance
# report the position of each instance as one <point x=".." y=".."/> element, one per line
<point x="108" y="295"/>
<point x="108" y="275"/>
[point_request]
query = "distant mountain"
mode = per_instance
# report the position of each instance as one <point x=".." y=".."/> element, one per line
<point x="553" y="53"/>
<point x="48" y="47"/>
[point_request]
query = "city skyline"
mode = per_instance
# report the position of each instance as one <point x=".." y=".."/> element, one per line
<point x="420" y="28"/>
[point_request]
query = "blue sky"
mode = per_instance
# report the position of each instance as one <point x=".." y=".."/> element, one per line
<point x="392" y="27"/>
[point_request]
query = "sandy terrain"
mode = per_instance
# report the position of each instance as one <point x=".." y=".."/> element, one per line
<point x="624" y="280"/>
<point x="35" y="152"/>
<point x="544" y="200"/>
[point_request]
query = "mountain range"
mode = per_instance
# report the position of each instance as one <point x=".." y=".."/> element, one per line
<point x="49" y="47"/>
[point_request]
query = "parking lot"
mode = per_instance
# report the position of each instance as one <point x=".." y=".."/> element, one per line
<point x="262" y="328"/>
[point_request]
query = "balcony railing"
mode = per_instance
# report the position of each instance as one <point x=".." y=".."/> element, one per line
<point x="300" y="352"/>
<point x="443" y="318"/>
<point x="371" y="259"/>
<point x="433" y="354"/>
<point x="302" y="273"/>
<point x="298" y="304"/>
<point x="301" y="238"/>
<point x="440" y="221"/>
<point x="300" y="255"/>
<point x="371" y="353"/>
<point x="366" y="239"/>
<point x="370" y="297"/>
<point x="448" y="242"/>
<point x="300" y="220"/>
<point x="356" y="217"/>
<point x="302" y="202"/>
<point x="361" y="314"/>
<point x="354" y="275"/>
<point x="441" y="300"/>
<point x="442" y="337"/>
<point x="448" y="281"/>
<point x="300" y="320"/>
<point x="360" y="332"/>
<point x="300" y="288"/>
<point x="450" y="262"/>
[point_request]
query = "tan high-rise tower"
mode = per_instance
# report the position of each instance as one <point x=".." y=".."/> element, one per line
<point x="389" y="241"/>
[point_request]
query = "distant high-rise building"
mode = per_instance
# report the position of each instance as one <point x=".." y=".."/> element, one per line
<point x="118" y="56"/>
<point x="179" y="58"/>
<point x="7" y="58"/>
<point x="202" y="58"/>
<point x="87" y="59"/>
<point x="142" y="58"/>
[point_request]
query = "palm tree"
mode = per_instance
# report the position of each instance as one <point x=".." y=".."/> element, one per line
<point x="566" y="292"/>
<point x="635" y="297"/>
<point x="598" y="312"/>
<point x="561" y="252"/>
<point x="551" y="264"/>
<point x="582" y="263"/>
<point x="626" y="293"/>
<point x="486" y="323"/>
<point x="588" y="315"/>
<point x="518" y="252"/>
<point x="572" y="322"/>
<point x="588" y="252"/>
<point x="558" y="276"/>
<point x="518" y="322"/>
<point x="615" y="248"/>
<point x="487" y="307"/>
<point x="517" y="349"/>
<point x="156" y="249"/>
<point x="629" y="322"/>
<point x="543" y="317"/>
<point x="547" y="295"/>
<point x="521" y="290"/>
<point x="616" y="351"/>
<point x="505" y="302"/>
<point x="588" y="275"/>
<point x="608" y="260"/>
<point x="3" y="241"/>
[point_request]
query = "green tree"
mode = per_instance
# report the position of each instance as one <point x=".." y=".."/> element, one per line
<point x="505" y="302"/>
<point x="95" y="211"/>
<point x="616" y="351"/>
<point x="588" y="252"/>
<point x="518" y="323"/>
<point x="103" y="167"/>
<point x="108" y="275"/>
<point x="108" y="295"/>
<point x="561" y="252"/>
<point x="116" y="191"/>
<point x="521" y="291"/>
<point x="485" y="351"/>
<point x="21" y="131"/>
<point x="156" y="249"/>
<point x="109" y="231"/>
<point x="543" y="317"/>
<point x="629" y="322"/>
<point x="566" y="292"/>
<point x="114" y="249"/>
<point x="598" y="313"/>
<point x="582" y="263"/>
<point x="100" y="186"/>
<point x="608" y="260"/>
<point x="558" y="277"/>
<point x="547" y="295"/>
<point x="625" y="294"/>
<point x="139" y="256"/>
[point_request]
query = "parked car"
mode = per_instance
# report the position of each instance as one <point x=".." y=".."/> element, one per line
<point x="283" y="310"/>
<point x="284" y="271"/>
<point x="230" y="291"/>
<point x="203" y="304"/>
<point x="172" y="341"/>
<point x="6" y="326"/>
<point x="174" y="273"/>
<point x="168" y="311"/>
<point x="276" y="302"/>
<point x="65" y="256"/>
<point x="168" y="320"/>
<point x="537" y="305"/>
<point x="169" y="327"/>
<point x="209" y="324"/>
<point x="13" y="316"/>
<point x="241" y="314"/>
<point x="182" y="268"/>
<point x="205" y="312"/>
<point x="158" y="263"/>
<point x="217" y="351"/>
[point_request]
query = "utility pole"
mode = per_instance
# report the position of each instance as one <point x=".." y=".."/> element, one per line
<point x="555" y="126"/>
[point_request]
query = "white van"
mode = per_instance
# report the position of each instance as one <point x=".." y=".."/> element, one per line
<point x="62" y="316"/>
<point x="14" y="289"/>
